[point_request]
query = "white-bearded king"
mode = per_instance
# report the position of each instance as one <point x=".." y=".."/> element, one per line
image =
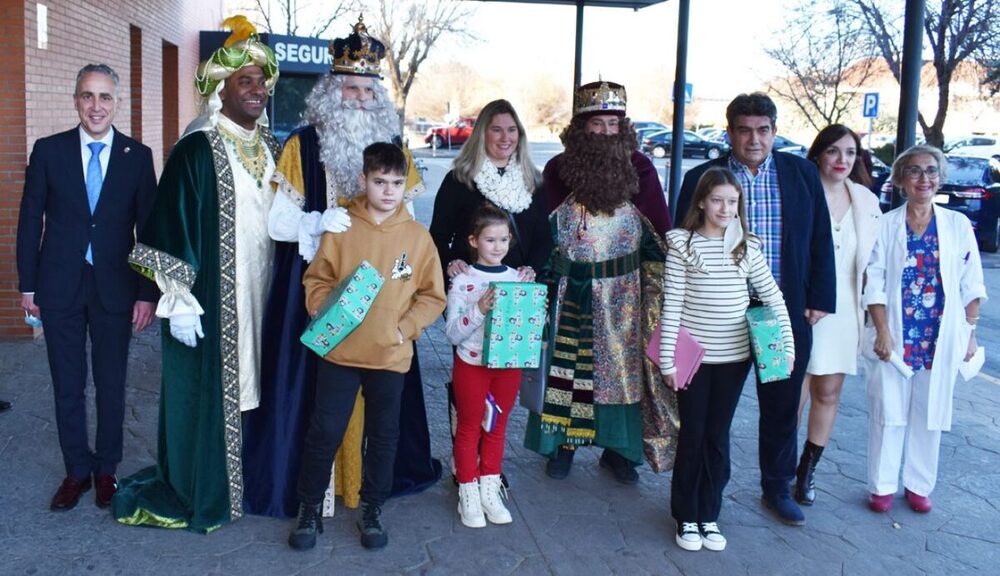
<point x="317" y="174"/>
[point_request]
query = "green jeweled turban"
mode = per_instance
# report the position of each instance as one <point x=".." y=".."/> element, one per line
<point x="242" y="48"/>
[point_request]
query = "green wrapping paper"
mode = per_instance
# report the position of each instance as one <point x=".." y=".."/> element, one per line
<point x="344" y="310"/>
<point x="513" y="329"/>
<point x="770" y="357"/>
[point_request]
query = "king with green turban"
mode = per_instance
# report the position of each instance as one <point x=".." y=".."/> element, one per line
<point x="206" y="245"/>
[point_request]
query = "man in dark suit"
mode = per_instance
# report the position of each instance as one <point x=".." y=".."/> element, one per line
<point x="84" y="192"/>
<point x="787" y="209"/>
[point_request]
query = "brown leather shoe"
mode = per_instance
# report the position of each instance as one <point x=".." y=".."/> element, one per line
<point x="107" y="485"/>
<point x="69" y="493"/>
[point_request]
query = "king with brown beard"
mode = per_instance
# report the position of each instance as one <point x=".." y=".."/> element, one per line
<point x="317" y="174"/>
<point x="608" y="219"/>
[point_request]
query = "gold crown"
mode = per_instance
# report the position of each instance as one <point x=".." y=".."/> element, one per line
<point x="359" y="54"/>
<point x="600" y="98"/>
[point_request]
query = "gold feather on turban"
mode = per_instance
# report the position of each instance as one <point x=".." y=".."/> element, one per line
<point x="243" y="48"/>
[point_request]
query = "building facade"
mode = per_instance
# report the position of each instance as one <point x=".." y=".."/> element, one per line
<point x="152" y="44"/>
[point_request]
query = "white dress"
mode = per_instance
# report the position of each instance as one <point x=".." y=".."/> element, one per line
<point x="835" y="337"/>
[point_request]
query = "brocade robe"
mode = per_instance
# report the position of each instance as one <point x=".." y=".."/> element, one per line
<point x="191" y="240"/>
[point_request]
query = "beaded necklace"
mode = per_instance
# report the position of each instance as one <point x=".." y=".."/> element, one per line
<point x="252" y="154"/>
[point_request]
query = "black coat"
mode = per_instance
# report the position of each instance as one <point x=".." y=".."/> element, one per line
<point x="452" y="222"/>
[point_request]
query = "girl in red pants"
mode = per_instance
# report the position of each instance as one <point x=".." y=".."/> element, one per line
<point x="479" y="454"/>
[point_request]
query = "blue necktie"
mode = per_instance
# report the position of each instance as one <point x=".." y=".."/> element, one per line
<point x="94" y="181"/>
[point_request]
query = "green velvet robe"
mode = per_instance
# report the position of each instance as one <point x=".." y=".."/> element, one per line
<point x="190" y="237"/>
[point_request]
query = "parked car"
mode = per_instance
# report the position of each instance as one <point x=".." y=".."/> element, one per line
<point x="782" y="144"/>
<point x="972" y="187"/>
<point x="644" y="125"/>
<point x="642" y="133"/>
<point x="713" y="134"/>
<point x="985" y="151"/>
<point x="659" y="144"/>
<point x="955" y="144"/>
<point x="452" y="135"/>
<point x="879" y="172"/>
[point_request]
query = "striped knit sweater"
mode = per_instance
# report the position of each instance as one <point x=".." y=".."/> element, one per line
<point x="704" y="291"/>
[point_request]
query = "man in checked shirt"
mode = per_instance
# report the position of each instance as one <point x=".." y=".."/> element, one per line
<point x="786" y="208"/>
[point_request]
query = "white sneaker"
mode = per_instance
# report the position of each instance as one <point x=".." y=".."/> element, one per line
<point x="711" y="537"/>
<point x="688" y="536"/>
<point x="490" y="494"/>
<point x="470" y="509"/>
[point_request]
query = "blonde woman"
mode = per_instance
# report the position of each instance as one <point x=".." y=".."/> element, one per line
<point x="494" y="166"/>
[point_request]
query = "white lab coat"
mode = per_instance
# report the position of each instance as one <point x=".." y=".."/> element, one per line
<point x="962" y="279"/>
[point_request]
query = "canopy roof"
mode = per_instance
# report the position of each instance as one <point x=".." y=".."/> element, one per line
<point x="633" y="4"/>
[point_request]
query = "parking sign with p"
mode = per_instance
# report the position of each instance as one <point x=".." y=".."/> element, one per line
<point x="870" y="107"/>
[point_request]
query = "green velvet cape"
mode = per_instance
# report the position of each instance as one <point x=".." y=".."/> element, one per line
<point x="197" y="482"/>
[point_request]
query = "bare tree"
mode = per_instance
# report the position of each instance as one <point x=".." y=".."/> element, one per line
<point x="286" y="16"/>
<point x="549" y="104"/>
<point x="409" y="29"/>
<point x="956" y="31"/>
<point x="825" y="59"/>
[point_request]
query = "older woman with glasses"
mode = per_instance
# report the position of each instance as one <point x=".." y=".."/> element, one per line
<point x="925" y="284"/>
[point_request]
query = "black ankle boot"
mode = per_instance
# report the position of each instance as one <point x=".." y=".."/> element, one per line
<point x="805" y="480"/>
<point x="558" y="467"/>
<point x="309" y="522"/>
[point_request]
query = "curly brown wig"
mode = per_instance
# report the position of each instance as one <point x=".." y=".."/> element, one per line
<point x="597" y="168"/>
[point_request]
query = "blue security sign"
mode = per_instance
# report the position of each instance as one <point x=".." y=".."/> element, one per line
<point x="870" y="107"/>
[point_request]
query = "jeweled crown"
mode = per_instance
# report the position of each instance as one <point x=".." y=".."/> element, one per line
<point x="600" y="97"/>
<point x="359" y="54"/>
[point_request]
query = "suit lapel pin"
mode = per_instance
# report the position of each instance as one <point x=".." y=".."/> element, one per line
<point x="126" y="150"/>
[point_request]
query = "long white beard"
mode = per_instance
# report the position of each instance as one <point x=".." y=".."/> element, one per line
<point x="342" y="143"/>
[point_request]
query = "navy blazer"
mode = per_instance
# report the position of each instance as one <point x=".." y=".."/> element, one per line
<point x="55" y="224"/>
<point x="808" y="268"/>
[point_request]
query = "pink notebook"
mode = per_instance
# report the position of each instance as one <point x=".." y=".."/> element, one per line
<point x="687" y="354"/>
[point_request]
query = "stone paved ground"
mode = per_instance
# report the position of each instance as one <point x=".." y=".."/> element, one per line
<point x="586" y="524"/>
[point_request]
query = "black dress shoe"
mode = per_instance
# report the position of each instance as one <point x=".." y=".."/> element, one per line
<point x="69" y="493"/>
<point x="107" y="485"/>
<point x="559" y="466"/>
<point x="622" y="469"/>
<point x="5" y="405"/>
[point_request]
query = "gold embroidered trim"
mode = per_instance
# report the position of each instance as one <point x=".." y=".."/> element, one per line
<point x="155" y="260"/>
<point x="285" y="187"/>
<point x="228" y="324"/>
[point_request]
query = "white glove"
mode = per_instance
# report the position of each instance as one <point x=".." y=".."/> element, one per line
<point x="186" y="329"/>
<point x="335" y="220"/>
<point x="309" y="224"/>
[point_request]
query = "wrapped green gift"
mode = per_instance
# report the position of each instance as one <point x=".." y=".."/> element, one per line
<point x="769" y="354"/>
<point x="512" y="335"/>
<point x="344" y="310"/>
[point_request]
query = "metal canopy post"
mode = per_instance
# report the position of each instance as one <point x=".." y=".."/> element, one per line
<point x="909" y="82"/>
<point x="578" y="56"/>
<point x="680" y="84"/>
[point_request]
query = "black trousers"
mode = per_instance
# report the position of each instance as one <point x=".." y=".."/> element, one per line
<point x="777" y="432"/>
<point x="701" y="466"/>
<point x="336" y="389"/>
<point x="66" y="332"/>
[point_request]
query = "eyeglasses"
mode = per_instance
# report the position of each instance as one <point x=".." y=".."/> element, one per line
<point x="915" y="172"/>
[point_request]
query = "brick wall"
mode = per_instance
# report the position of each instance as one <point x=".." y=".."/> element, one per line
<point x="37" y="88"/>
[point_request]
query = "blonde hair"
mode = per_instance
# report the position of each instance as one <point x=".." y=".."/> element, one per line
<point x="470" y="159"/>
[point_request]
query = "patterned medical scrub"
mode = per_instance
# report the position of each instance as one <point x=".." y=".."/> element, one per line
<point x="923" y="297"/>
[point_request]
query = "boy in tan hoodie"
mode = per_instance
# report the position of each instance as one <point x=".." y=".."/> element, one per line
<point x="377" y="354"/>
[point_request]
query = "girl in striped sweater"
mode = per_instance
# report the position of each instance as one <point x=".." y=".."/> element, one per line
<point x="711" y="259"/>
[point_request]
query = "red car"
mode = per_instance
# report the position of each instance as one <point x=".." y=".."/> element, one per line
<point x="454" y="134"/>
